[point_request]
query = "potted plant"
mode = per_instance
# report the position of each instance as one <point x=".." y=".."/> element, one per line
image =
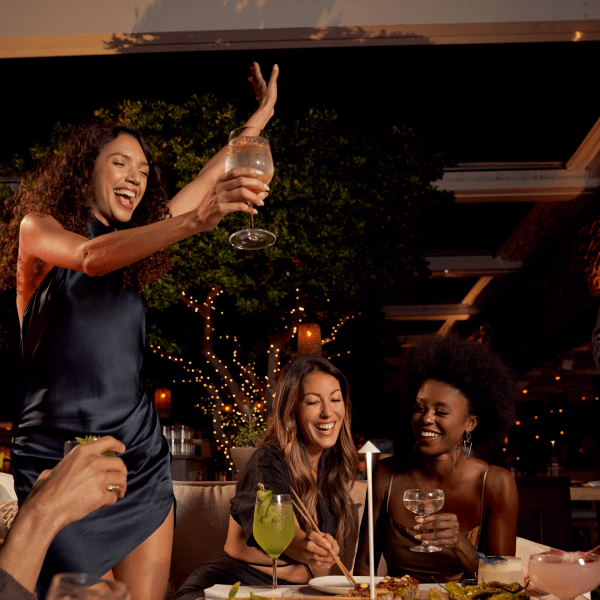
<point x="245" y="440"/>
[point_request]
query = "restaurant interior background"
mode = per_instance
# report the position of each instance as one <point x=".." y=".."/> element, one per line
<point x="513" y="261"/>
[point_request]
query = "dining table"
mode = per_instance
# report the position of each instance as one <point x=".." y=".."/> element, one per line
<point x="306" y="591"/>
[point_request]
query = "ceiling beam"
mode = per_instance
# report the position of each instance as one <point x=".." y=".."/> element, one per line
<point x="478" y="265"/>
<point x="429" y="312"/>
<point x="587" y="156"/>
<point x="468" y="300"/>
<point x="528" y="182"/>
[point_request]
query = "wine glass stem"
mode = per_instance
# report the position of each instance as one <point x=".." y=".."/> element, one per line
<point x="251" y="221"/>
<point x="274" y="573"/>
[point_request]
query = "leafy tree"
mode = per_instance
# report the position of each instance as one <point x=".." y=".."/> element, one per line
<point x="347" y="208"/>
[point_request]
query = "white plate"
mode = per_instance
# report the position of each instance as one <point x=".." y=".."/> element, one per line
<point x="338" y="584"/>
<point x="591" y="484"/>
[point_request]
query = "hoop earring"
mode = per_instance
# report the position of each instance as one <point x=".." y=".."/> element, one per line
<point x="467" y="444"/>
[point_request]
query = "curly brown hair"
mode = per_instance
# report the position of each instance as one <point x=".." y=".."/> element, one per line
<point x="61" y="188"/>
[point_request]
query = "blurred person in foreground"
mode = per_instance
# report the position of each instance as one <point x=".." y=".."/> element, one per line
<point x="84" y="481"/>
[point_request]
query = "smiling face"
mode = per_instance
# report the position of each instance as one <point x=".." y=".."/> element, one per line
<point x="321" y="412"/>
<point x="440" y="417"/>
<point x="119" y="179"/>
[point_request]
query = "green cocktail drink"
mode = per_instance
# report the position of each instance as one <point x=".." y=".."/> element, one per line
<point x="274" y="525"/>
<point x="275" y="531"/>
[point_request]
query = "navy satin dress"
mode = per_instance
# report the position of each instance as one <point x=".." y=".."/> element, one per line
<point x="82" y="343"/>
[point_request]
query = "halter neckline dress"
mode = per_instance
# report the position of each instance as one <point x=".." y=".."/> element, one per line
<point x="82" y="342"/>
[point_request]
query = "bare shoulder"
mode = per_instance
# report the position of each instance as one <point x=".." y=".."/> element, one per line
<point x="34" y="222"/>
<point x="501" y="484"/>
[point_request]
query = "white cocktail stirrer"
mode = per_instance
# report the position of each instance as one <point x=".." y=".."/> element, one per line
<point x="369" y="449"/>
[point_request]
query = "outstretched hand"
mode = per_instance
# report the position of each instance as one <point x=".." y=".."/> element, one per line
<point x="266" y="94"/>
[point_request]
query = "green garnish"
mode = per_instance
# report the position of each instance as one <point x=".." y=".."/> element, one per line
<point x="86" y="439"/>
<point x="91" y="438"/>
<point x="233" y="591"/>
<point x="266" y="498"/>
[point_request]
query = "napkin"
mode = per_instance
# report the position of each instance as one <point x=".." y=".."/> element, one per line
<point x="222" y="591"/>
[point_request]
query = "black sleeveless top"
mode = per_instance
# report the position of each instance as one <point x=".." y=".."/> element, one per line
<point x="82" y="343"/>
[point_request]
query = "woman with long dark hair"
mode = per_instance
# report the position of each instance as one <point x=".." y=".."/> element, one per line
<point x="308" y="446"/>
<point x="88" y="230"/>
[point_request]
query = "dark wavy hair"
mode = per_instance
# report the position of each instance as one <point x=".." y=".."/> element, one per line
<point x="489" y="386"/>
<point x="338" y="462"/>
<point x="61" y="188"/>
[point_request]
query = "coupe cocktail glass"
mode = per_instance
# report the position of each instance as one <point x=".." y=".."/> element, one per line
<point x="423" y="503"/>
<point x="564" y="574"/>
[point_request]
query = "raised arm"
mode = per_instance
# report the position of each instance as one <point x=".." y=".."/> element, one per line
<point x="381" y="481"/>
<point x="198" y="191"/>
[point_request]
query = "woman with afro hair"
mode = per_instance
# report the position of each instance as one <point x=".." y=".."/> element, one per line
<point x="88" y="230"/>
<point x="457" y="393"/>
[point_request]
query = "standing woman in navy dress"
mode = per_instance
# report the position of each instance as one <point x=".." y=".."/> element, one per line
<point x="87" y="232"/>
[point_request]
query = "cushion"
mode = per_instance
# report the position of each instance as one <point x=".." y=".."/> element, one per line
<point x="7" y="487"/>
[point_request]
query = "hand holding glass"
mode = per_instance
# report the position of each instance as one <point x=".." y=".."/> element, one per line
<point x="249" y="147"/>
<point x="423" y="503"/>
<point x="274" y="526"/>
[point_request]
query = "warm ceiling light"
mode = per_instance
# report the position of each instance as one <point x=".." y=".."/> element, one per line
<point x="557" y="378"/>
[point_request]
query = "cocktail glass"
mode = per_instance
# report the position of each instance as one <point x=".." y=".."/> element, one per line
<point x="274" y="526"/>
<point x="564" y="574"/>
<point x="423" y="503"/>
<point x="504" y="569"/>
<point x="80" y="586"/>
<point x="249" y="147"/>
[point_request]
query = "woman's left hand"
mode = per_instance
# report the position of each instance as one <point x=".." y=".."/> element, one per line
<point x="438" y="529"/>
<point x="266" y="94"/>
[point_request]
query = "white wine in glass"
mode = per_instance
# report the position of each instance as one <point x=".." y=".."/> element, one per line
<point x="249" y="147"/>
<point x="423" y="503"/>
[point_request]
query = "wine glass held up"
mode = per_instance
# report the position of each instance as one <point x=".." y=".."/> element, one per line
<point x="423" y="503"/>
<point x="249" y="147"/>
<point x="274" y="525"/>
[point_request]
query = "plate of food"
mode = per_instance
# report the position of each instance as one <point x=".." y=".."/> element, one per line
<point x="338" y="584"/>
<point x="386" y="588"/>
